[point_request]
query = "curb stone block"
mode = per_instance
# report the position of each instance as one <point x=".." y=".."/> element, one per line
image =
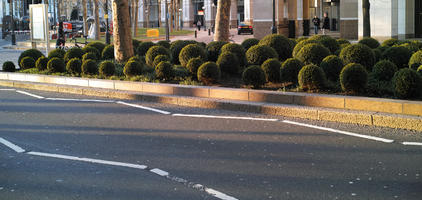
<point x="371" y="105"/>
<point x="157" y="88"/>
<point x="17" y="77"/>
<point x="70" y="90"/>
<point x="270" y="97"/>
<point x="35" y="78"/>
<point x="188" y="91"/>
<point x="77" y="82"/>
<point x="101" y="84"/>
<point x="231" y="94"/>
<point x="126" y="85"/>
<point x="319" y="101"/>
<point x="55" y="80"/>
<point x="412" y="109"/>
<point x="395" y="121"/>
<point x="346" y="117"/>
<point x="6" y="83"/>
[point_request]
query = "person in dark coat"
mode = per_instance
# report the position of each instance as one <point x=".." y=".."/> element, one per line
<point x="316" y="22"/>
<point x="60" y="43"/>
<point x="326" y="24"/>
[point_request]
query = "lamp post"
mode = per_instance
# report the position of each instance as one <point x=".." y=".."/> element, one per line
<point x="106" y="18"/>
<point x="13" y="24"/>
<point x="273" y="28"/>
<point x="167" y="22"/>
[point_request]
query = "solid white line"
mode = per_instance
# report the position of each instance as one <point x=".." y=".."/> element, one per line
<point x="219" y="195"/>
<point x="7" y="89"/>
<point x="143" y="107"/>
<point x="412" y="143"/>
<point x="224" y="117"/>
<point x="81" y="100"/>
<point x="341" y="132"/>
<point x="12" y="146"/>
<point x="159" y="172"/>
<point x="29" y="94"/>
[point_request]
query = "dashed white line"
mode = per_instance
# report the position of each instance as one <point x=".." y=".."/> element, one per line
<point x="29" y="94"/>
<point x="219" y="195"/>
<point x="159" y="172"/>
<point x="224" y="117"/>
<point x="143" y="107"/>
<point x="81" y="100"/>
<point x="412" y="143"/>
<point x="12" y="146"/>
<point x="341" y="132"/>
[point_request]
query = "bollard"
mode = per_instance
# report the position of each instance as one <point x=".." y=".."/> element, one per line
<point x="209" y="31"/>
<point x="196" y="34"/>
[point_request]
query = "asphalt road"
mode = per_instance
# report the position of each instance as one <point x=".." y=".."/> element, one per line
<point x="231" y="158"/>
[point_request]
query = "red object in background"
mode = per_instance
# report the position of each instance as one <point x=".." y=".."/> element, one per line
<point x="67" y="27"/>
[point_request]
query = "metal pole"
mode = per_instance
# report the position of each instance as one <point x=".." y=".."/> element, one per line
<point x="273" y="28"/>
<point x="106" y="17"/>
<point x="167" y="23"/>
<point x="13" y="25"/>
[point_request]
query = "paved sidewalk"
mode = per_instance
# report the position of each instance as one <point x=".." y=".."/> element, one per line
<point x="202" y="36"/>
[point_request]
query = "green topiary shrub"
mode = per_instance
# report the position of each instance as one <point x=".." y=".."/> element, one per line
<point x="159" y="59"/>
<point x="228" y="63"/>
<point x="41" y="63"/>
<point x="164" y="43"/>
<point x="56" y="65"/>
<point x="90" y="49"/>
<point x="56" y="53"/>
<point x="237" y="50"/>
<point x="358" y="53"/>
<point x="153" y="52"/>
<point x="332" y="66"/>
<point x="412" y="46"/>
<point x="9" y="66"/>
<point x="301" y="44"/>
<point x="258" y="54"/>
<point x="133" y="68"/>
<point x="419" y="70"/>
<point x="312" y="54"/>
<point x="377" y="54"/>
<point x="74" y="66"/>
<point x="164" y="71"/>
<point x="407" y="84"/>
<point x="254" y="75"/>
<point x="248" y="43"/>
<point x="74" y="52"/>
<point x="300" y="39"/>
<point x="370" y="42"/>
<point x="27" y="63"/>
<point x="209" y="73"/>
<point x="89" y="56"/>
<point x="327" y="41"/>
<point x="135" y="45"/>
<point x="89" y="67"/>
<point x="293" y="43"/>
<point x="108" y="52"/>
<point x="342" y="41"/>
<point x="384" y="70"/>
<point x="107" y="68"/>
<point x="289" y="70"/>
<point x="176" y="47"/>
<point x="354" y="78"/>
<point x="311" y="77"/>
<point x="33" y="53"/>
<point x="280" y="44"/>
<point x="98" y="45"/>
<point x="213" y="50"/>
<point x="398" y="55"/>
<point x="271" y="69"/>
<point x="144" y="47"/>
<point x="416" y="60"/>
<point x="191" y="51"/>
<point x="390" y="42"/>
<point x="193" y="65"/>
<point x="136" y="58"/>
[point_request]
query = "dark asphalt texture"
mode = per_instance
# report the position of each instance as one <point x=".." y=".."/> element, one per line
<point x="248" y="160"/>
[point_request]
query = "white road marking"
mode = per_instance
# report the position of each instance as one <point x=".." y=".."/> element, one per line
<point x="219" y="195"/>
<point x="7" y="89"/>
<point x="159" y="172"/>
<point x="341" y="132"/>
<point x="12" y="146"/>
<point x="81" y="100"/>
<point x="412" y="143"/>
<point x="143" y="107"/>
<point x="224" y="117"/>
<point x="29" y="94"/>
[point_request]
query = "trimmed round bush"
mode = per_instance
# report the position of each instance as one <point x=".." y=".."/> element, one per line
<point x="108" y="52"/>
<point x="164" y="71"/>
<point x="280" y="44"/>
<point x="213" y="50"/>
<point x="332" y="66"/>
<point x="370" y="42"/>
<point x="312" y="54"/>
<point x="416" y="60"/>
<point x="33" y="53"/>
<point x="419" y="70"/>
<point x="176" y="47"/>
<point x="144" y="47"/>
<point x="228" y="63"/>
<point x="27" y="63"/>
<point x="327" y="41"/>
<point x="301" y="44"/>
<point x="74" y="66"/>
<point x="98" y="45"/>
<point x="412" y="46"/>
<point x="258" y="54"/>
<point x="191" y="51"/>
<point x="132" y="68"/>
<point x="56" y="65"/>
<point x="358" y="53"/>
<point x="89" y="56"/>
<point x="254" y="75"/>
<point x="377" y="54"/>
<point x="398" y="55"/>
<point x="56" y="53"/>
<point x="407" y="84"/>
<point x="293" y="43"/>
<point x="9" y="66"/>
<point x="390" y="42"/>
<point x="250" y="42"/>
<point x="237" y="50"/>
<point x="342" y="41"/>
<point x="158" y="59"/>
<point x="193" y="65"/>
<point x="107" y="68"/>
<point x="209" y="73"/>
<point x="271" y="69"/>
<point x="153" y="52"/>
<point x="135" y="45"/>
<point x="289" y="70"/>
<point x="89" y="67"/>
<point x="90" y="49"/>
<point x="164" y="43"/>
<point x="41" y="63"/>
<point x="384" y="70"/>
<point x="353" y="78"/>
<point x="300" y="39"/>
<point x="136" y="58"/>
<point x="74" y="52"/>
<point x="311" y="77"/>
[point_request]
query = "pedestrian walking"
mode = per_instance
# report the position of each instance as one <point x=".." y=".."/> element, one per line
<point x="61" y="41"/>
<point x="316" y="22"/>
<point x="199" y="24"/>
<point x="326" y="24"/>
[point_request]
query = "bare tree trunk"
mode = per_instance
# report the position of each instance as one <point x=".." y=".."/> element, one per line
<point x="159" y="14"/>
<point x="177" y="15"/>
<point x="147" y="12"/>
<point x="97" y="20"/>
<point x="222" y="21"/>
<point x="84" y="8"/>
<point x="171" y="15"/>
<point x="136" y="19"/>
<point x="123" y="48"/>
<point x="366" y="18"/>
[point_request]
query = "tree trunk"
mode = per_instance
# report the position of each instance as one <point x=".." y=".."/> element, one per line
<point x="222" y="21"/>
<point x="123" y="48"/>
<point x="177" y="15"/>
<point x="147" y="12"/>
<point x="58" y="11"/>
<point x="366" y="18"/>
<point x="159" y="14"/>
<point x="135" y="31"/>
<point x="171" y="15"/>
<point x="84" y="8"/>
<point x="97" y="20"/>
